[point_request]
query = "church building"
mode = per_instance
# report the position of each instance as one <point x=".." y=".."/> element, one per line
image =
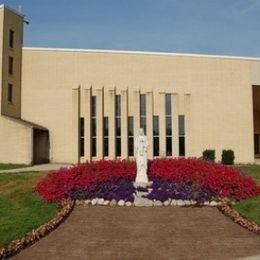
<point x="72" y="105"/>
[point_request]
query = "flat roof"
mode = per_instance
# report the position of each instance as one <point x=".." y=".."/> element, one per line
<point x="141" y="53"/>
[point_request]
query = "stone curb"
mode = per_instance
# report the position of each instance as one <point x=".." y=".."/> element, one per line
<point x="227" y="210"/>
<point x="33" y="236"/>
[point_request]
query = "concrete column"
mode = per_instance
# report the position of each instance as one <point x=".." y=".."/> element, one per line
<point x="162" y="127"/>
<point x="100" y="112"/>
<point x="75" y="121"/>
<point x="187" y="122"/>
<point x="136" y="104"/>
<point x="112" y="132"/>
<point x="124" y="128"/>
<point x="87" y="93"/>
<point x="175" y="124"/>
<point x="149" y="123"/>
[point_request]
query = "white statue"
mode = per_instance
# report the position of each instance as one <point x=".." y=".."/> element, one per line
<point x="141" y="146"/>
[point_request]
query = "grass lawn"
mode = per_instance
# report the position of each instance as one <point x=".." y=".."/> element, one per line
<point x="250" y="208"/>
<point x="21" y="209"/>
<point x="9" y="166"/>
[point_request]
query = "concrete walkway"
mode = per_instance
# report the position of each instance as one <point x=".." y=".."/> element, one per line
<point x="39" y="167"/>
<point x="145" y="233"/>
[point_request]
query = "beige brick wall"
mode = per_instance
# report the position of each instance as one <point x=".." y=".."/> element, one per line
<point x="217" y="90"/>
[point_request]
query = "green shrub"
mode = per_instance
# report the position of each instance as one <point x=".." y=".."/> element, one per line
<point x="209" y="155"/>
<point x="228" y="157"/>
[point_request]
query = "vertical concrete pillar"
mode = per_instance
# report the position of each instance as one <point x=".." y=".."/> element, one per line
<point x="87" y="93"/>
<point x="175" y="124"/>
<point x="187" y="122"/>
<point x="100" y="112"/>
<point x="149" y="123"/>
<point x="112" y="132"/>
<point x="136" y="104"/>
<point x="75" y="123"/>
<point x="124" y="128"/>
<point x="162" y="127"/>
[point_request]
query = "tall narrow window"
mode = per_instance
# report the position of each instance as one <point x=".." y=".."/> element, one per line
<point x="10" y="65"/>
<point x="256" y="142"/>
<point x="11" y="39"/>
<point x="10" y="93"/>
<point x="181" y="135"/>
<point x="143" y="112"/>
<point x="156" y="143"/>
<point x="118" y="125"/>
<point x="81" y="136"/>
<point x="106" y="136"/>
<point x="130" y="136"/>
<point x="168" y="124"/>
<point x="93" y="126"/>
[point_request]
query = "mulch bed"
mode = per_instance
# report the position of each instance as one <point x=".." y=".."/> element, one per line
<point x="34" y="235"/>
<point x="227" y="210"/>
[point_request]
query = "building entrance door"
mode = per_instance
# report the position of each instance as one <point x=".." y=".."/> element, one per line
<point x="41" y="146"/>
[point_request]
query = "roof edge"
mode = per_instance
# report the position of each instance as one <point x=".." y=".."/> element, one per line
<point x="12" y="10"/>
<point x="141" y="53"/>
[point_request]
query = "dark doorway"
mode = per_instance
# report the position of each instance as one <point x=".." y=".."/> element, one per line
<point x="41" y="146"/>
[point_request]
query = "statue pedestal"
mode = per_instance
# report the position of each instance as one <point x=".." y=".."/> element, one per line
<point x="143" y="184"/>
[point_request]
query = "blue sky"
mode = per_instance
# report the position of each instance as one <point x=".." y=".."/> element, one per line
<point x="222" y="27"/>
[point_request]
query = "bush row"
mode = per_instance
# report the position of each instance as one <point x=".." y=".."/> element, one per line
<point x="227" y="156"/>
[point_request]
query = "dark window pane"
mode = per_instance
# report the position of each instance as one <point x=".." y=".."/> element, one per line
<point x="11" y="38"/>
<point x="168" y="121"/>
<point x="81" y="127"/>
<point x="182" y="146"/>
<point x="10" y="93"/>
<point x="181" y="125"/>
<point x="130" y="146"/>
<point x="156" y="146"/>
<point x="256" y="138"/>
<point x="105" y="126"/>
<point x="118" y="146"/>
<point x="118" y="105"/>
<point x="155" y="125"/>
<point x="10" y="65"/>
<point x="106" y="146"/>
<point x="142" y="105"/>
<point x="93" y="127"/>
<point x="168" y="104"/>
<point x="81" y="146"/>
<point x="94" y="147"/>
<point x="168" y="146"/>
<point x="118" y="126"/>
<point x="143" y="123"/>
<point x="130" y="126"/>
<point x="93" y="106"/>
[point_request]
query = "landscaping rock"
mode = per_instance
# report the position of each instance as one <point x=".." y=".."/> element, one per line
<point x="87" y="202"/>
<point x="193" y="202"/>
<point x="100" y="201"/>
<point x="121" y="203"/>
<point x="166" y="203"/>
<point x="213" y="203"/>
<point x="174" y="202"/>
<point x="157" y="203"/>
<point x="113" y="202"/>
<point x="187" y="202"/>
<point x="94" y="202"/>
<point x="128" y="203"/>
<point x="143" y="202"/>
<point x="206" y="203"/>
<point x="106" y="202"/>
<point x="180" y="203"/>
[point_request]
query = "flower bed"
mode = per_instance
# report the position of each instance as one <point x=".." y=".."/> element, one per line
<point x="177" y="179"/>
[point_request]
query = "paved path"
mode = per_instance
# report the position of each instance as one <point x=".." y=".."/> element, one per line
<point x="39" y="167"/>
<point x="145" y="233"/>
